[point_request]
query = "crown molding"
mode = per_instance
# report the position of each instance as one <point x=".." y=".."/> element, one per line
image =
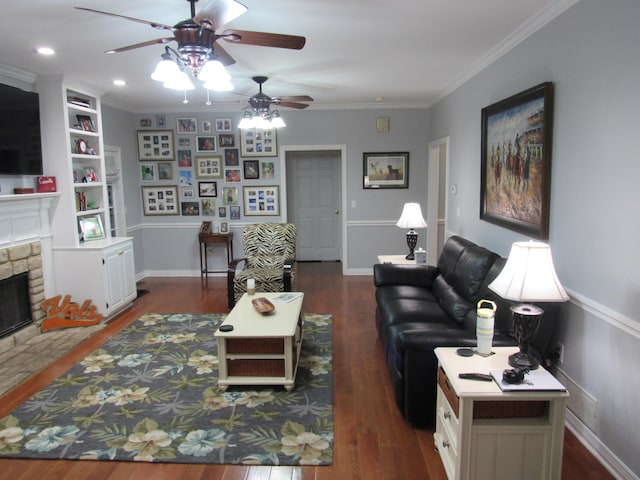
<point x="524" y="31"/>
<point x="17" y="74"/>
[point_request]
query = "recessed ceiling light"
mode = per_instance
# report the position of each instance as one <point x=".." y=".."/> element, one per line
<point x="45" y="51"/>
<point x="119" y="83"/>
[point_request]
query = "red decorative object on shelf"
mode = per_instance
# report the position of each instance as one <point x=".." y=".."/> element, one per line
<point x="46" y="184"/>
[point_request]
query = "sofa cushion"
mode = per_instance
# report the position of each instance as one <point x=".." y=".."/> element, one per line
<point x="471" y="269"/>
<point x="451" y="251"/>
<point x="404" y="310"/>
<point x="385" y="274"/>
<point x="393" y="292"/>
<point x="450" y="300"/>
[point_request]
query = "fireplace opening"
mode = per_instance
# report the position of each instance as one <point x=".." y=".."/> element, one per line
<point x="15" y="308"/>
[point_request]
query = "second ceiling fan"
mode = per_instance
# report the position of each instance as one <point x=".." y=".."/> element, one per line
<point x="261" y="102"/>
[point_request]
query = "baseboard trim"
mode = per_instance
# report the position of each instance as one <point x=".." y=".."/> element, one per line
<point x="598" y="449"/>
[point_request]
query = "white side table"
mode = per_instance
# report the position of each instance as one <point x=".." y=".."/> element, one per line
<point x="397" y="259"/>
<point x="483" y="432"/>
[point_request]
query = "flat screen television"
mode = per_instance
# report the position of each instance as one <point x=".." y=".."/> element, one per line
<point x="20" y="141"/>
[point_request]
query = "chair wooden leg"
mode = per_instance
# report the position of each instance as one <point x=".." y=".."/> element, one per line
<point x="231" y="296"/>
<point x="286" y="278"/>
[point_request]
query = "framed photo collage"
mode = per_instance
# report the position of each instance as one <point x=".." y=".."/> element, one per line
<point x="202" y="167"/>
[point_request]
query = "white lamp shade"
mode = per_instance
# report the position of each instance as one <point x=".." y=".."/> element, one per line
<point x="246" y="122"/>
<point x="213" y="71"/>
<point x="529" y="275"/>
<point x="277" y="121"/>
<point x="180" y="82"/>
<point x="219" y="85"/>
<point x="411" y="217"/>
<point x="165" y="71"/>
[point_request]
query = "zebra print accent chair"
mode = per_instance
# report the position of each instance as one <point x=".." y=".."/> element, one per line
<point x="269" y="258"/>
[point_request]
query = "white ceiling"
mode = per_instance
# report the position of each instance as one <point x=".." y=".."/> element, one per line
<point x="359" y="53"/>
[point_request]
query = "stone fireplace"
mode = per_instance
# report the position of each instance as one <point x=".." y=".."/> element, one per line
<point x="27" y="259"/>
<point x="25" y="247"/>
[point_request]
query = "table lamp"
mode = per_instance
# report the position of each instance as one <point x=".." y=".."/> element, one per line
<point x="411" y="218"/>
<point x="528" y="276"/>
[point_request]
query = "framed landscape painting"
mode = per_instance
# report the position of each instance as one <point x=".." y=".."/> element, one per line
<point x="385" y="170"/>
<point x="516" y="161"/>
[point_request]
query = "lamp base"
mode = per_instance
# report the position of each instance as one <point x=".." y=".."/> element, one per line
<point x="523" y="360"/>
<point x="526" y="320"/>
<point x="412" y="241"/>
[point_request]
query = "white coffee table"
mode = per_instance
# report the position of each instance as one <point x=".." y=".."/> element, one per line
<point x="261" y="349"/>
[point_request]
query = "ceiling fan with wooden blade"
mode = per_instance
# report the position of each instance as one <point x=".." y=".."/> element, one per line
<point x="197" y="35"/>
<point x="261" y="102"/>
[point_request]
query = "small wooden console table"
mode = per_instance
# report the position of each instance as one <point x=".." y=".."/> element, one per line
<point x="207" y="238"/>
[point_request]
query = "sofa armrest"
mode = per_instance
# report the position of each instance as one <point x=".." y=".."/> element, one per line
<point x="429" y="337"/>
<point x="394" y="274"/>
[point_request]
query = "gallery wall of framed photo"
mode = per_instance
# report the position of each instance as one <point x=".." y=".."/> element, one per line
<point x="199" y="165"/>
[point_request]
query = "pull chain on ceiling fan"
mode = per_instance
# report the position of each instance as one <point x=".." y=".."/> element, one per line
<point x="197" y="51"/>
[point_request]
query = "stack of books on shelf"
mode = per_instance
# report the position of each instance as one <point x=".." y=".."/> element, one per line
<point x="79" y="101"/>
<point x="81" y="201"/>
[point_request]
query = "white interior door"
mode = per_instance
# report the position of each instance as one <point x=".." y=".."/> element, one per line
<point x="313" y="203"/>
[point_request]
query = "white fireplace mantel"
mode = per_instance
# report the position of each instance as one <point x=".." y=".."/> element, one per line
<point x="27" y="218"/>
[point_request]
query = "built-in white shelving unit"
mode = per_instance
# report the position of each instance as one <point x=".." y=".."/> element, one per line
<point x="87" y="268"/>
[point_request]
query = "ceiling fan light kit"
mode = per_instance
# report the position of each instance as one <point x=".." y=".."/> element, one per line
<point x="261" y="120"/>
<point x="207" y="68"/>
<point x="260" y="115"/>
<point x="196" y="38"/>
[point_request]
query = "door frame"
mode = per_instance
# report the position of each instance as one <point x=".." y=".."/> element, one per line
<point x="118" y="191"/>
<point x="435" y="175"/>
<point x="284" y="149"/>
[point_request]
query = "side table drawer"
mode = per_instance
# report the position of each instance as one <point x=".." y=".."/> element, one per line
<point x="448" y="419"/>
<point x="445" y="448"/>
<point x="449" y="393"/>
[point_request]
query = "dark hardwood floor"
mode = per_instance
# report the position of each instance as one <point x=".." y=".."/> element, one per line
<point x="372" y="441"/>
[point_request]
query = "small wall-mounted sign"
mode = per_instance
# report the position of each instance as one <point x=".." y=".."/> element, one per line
<point x="383" y="124"/>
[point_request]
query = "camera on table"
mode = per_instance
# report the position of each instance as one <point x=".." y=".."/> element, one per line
<point x="514" y="375"/>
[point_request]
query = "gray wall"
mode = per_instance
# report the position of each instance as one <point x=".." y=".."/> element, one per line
<point x="167" y="245"/>
<point x="591" y="55"/>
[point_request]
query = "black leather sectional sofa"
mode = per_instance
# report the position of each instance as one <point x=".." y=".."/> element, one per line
<point x="421" y="307"/>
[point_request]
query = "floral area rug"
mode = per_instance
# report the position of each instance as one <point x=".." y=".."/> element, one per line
<point x="150" y="394"/>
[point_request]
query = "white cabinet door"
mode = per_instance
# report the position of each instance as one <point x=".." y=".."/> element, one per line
<point x="119" y="276"/>
<point x="101" y="271"/>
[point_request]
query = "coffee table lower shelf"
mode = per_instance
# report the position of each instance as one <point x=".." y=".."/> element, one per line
<point x="253" y="361"/>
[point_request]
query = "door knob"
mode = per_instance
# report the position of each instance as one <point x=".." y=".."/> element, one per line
<point x="337" y="212"/>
